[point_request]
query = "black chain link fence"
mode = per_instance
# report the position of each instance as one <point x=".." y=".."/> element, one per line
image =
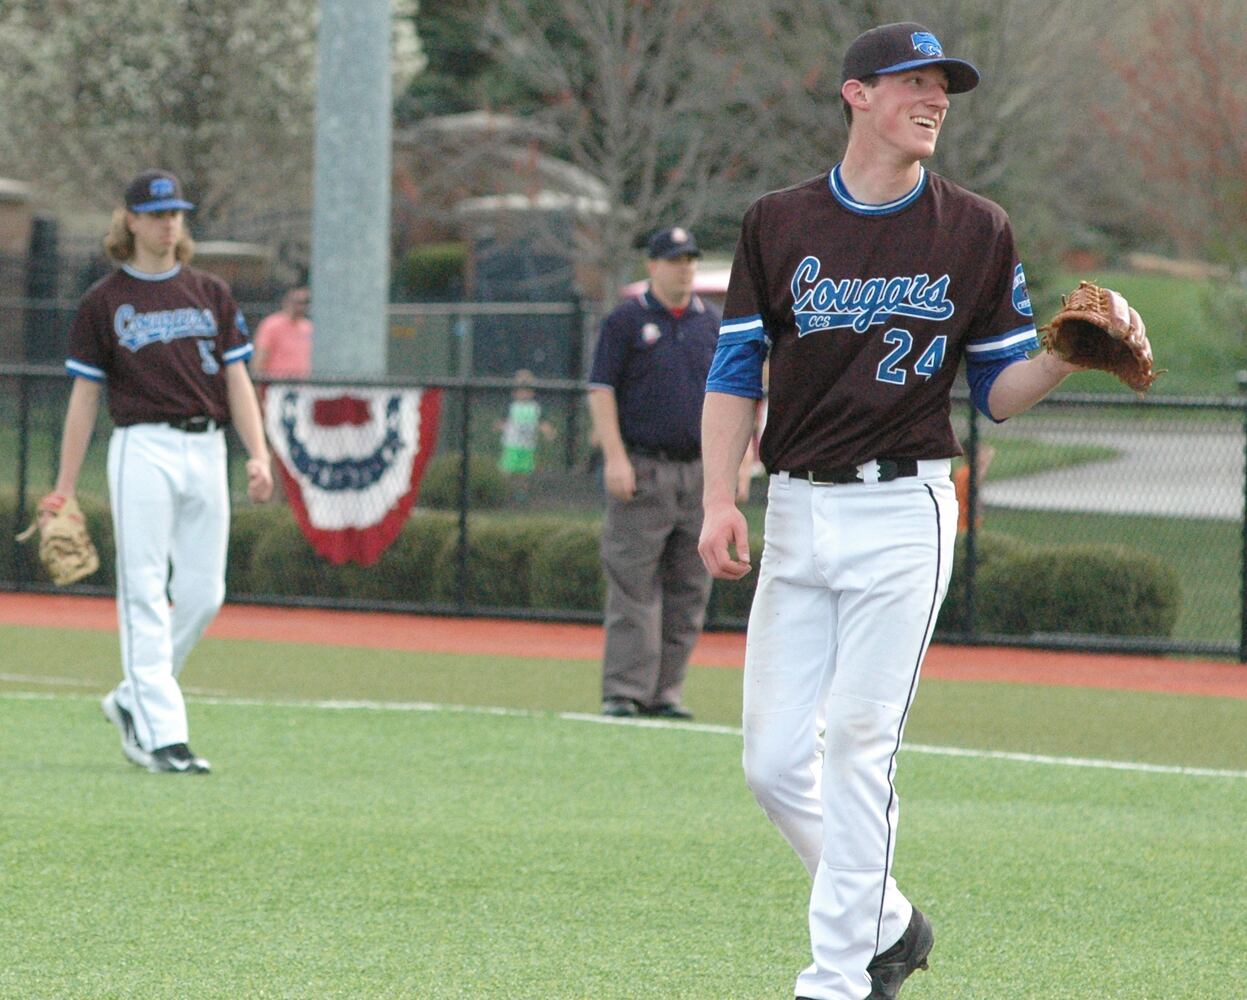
<point x="1158" y="483"/>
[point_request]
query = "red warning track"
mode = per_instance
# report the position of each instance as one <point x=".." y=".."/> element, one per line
<point x="542" y="640"/>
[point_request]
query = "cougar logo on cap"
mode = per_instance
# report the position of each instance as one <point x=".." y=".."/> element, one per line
<point x="161" y="187"/>
<point x="926" y="44"/>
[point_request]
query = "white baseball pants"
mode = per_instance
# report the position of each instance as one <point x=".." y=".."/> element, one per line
<point x="850" y="583"/>
<point x="170" y="503"/>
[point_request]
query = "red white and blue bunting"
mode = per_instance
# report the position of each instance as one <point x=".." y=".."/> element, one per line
<point x="351" y="461"/>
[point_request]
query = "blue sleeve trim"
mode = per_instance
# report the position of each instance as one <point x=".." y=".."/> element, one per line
<point x="982" y="376"/>
<point x="742" y="324"/>
<point x="737" y="366"/>
<point x="238" y="354"/>
<point x="1013" y="343"/>
<point x="79" y="370"/>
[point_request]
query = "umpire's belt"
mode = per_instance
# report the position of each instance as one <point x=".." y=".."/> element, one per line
<point x="666" y="454"/>
<point x="194" y="425"/>
<point x="877" y="470"/>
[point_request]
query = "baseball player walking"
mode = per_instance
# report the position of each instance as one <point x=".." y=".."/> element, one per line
<point x="169" y="342"/>
<point x="867" y="286"/>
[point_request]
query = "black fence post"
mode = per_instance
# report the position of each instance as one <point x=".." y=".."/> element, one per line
<point x="461" y="582"/>
<point x="577" y="325"/>
<point x="1242" y="565"/>
<point x="23" y="476"/>
<point x="42" y="340"/>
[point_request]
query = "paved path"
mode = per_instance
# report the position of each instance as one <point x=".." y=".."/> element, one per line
<point x="1184" y="471"/>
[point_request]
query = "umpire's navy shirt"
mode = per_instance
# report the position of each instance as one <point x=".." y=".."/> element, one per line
<point x="657" y="365"/>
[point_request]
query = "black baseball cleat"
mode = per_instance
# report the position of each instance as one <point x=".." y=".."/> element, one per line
<point x="124" y="722"/>
<point x="177" y="758"/>
<point x="889" y="970"/>
<point x="620" y="708"/>
<point x="667" y="711"/>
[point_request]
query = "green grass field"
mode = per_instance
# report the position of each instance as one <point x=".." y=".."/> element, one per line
<point x="410" y="849"/>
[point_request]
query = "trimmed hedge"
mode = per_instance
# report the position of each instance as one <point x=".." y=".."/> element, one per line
<point x="409" y="570"/>
<point x="989" y="548"/>
<point x="283" y="563"/>
<point x="246" y="525"/>
<point x="567" y="570"/>
<point x="500" y="554"/>
<point x="439" y="487"/>
<point x="432" y="272"/>
<point x="1081" y="589"/>
<point x="549" y="563"/>
<point x="272" y="558"/>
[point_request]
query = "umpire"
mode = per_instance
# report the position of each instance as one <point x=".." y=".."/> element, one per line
<point x="645" y="395"/>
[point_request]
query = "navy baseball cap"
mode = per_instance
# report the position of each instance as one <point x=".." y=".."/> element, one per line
<point x="671" y="242"/>
<point x="156" y="191"/>
<point x="894" y="48"/>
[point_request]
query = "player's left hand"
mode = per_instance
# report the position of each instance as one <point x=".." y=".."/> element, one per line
<point x="259" y="480"/>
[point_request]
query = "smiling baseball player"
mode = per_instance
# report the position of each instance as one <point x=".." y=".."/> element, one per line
<point x="867" y="286"/>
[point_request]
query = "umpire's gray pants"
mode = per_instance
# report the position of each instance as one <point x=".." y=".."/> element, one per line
<point x="656" y="584"/>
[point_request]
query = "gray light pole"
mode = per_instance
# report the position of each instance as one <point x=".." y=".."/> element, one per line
<point x="351" y="195"/>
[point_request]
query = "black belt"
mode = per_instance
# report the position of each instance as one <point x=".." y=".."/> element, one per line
<point x="194" y="425"/>
<point x="889" y="469"/>
<point x="666" y="454"/>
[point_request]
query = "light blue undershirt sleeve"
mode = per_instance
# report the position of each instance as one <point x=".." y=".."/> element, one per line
<point x="987" y="357"/>
<point x="982" y="376"/>
<point x="738" y="358"/>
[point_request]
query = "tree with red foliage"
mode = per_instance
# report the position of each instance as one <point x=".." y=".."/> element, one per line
<point x="1183" y="118"/>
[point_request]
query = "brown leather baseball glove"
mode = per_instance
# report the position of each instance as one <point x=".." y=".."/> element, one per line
<point x="1097" y="328"/>
<point x="65" y="546"/>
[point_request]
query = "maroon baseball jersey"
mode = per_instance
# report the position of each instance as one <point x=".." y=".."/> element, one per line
<point x="160" y="342"/>
<point x="869" y="310"/>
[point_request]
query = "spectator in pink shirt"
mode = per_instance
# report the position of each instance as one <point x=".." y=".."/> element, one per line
<point x="283" y="341"/>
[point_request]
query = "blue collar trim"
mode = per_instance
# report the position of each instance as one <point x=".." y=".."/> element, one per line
<point x="841" y="194"/>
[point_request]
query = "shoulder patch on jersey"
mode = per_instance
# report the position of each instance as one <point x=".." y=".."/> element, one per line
<point x="1021" y="297"/>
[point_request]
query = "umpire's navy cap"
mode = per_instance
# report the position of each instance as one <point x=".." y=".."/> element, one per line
<point x="894" y="48"/>
<point x="156" y="191"/>
<point x="674" y="241"/>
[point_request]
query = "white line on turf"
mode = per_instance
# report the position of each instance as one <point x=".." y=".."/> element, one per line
<point x="1037" y="758"/>
<point x="44" y="680"/>
<point x="697" y="727"/>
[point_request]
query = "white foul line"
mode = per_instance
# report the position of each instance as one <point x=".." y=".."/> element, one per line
<point x="696" y="727"/>
<point x="45" y="680"/>
<point x="1038" y="758"/>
